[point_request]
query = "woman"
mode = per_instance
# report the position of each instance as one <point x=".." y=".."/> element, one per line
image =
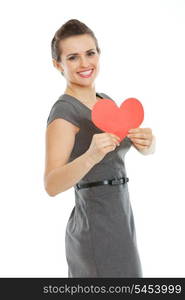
<point x="100" y="233"/>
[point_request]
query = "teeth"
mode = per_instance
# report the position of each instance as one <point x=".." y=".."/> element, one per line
<point x="86" y="73"/>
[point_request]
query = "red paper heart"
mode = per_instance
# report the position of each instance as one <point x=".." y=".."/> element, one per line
<point x="107" y="116"/>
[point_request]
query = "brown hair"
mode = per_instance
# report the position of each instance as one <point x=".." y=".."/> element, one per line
<point x="70" y="28"/>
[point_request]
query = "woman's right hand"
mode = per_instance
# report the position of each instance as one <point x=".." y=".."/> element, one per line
<point x="101" y="144"/>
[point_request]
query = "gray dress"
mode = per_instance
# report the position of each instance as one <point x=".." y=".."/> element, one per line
<point x="100" y="234"/>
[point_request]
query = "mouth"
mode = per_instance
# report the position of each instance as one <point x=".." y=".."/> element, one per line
<point x="86" y="74"/>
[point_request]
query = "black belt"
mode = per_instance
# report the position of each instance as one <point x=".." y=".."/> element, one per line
<point x="114" y="181"/>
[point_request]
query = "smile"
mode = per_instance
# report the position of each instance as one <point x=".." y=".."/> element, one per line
<point x="86" y="74"/>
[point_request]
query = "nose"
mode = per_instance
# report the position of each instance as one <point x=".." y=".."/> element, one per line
<point x="84" y="62"/>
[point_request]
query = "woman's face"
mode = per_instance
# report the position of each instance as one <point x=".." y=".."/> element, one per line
<point x="79" y="54"/>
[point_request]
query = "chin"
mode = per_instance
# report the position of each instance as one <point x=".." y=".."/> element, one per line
<point x="90" y="84"/>
<point x="85" y="82"/>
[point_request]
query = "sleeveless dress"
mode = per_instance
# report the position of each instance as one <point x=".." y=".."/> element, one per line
<point x="100" y="236"/>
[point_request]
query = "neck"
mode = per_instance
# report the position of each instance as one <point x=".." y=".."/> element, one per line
<point x="86" y="94"/>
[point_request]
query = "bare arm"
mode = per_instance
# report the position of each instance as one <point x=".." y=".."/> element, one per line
<point x="64" y="177"/>
<point x="60" y="175"/>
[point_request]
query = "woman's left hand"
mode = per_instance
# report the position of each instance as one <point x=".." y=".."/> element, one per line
<point x="141" y="137"/>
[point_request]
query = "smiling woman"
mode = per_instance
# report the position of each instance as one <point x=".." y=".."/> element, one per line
<point x="72" y="29"/>
<point x="83" y="63"/>
<point x="80" y="155"/>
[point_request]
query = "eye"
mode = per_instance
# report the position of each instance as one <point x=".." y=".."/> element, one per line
<point x="72" y="57"/>
<point x="91" y="53"/>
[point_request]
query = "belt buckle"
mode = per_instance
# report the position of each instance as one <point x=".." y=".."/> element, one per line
<point x="115" y="181"/>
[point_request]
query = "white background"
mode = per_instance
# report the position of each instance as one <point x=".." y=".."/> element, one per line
<point x="142" y="44"/>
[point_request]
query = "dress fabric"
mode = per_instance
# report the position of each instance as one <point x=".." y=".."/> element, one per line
<point x="100" y="236"/>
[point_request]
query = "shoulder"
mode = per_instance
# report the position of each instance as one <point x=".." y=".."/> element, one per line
<point x="62" y="103"/>
<point x="64" y="109"/>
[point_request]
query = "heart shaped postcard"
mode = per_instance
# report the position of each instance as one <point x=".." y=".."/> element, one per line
<point x="108" y="117"/>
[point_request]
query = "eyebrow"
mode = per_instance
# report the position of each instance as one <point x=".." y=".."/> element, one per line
<point x="77" y="53"/>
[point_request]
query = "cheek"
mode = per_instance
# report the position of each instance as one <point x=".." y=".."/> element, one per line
<point x="70" y="69"/>
<point x="97" y="64"/>
<point x="97" y="61"/>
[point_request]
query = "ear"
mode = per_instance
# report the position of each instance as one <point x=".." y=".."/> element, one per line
<point x="57" y="65"/>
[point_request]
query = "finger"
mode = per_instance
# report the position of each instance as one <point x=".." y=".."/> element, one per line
<point x="111" y="138"/>
<point x="116" y="140"/>
<point x="106" y="143"/>
<point x="134" y="130"/>
<point x="139" y="129"/>
<point x="139" y="135"/>
<point x="148" y="130"/>
<point x="140" y="146"/>
<point x="141" y="142"/>
<point x="115" y="136"/>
